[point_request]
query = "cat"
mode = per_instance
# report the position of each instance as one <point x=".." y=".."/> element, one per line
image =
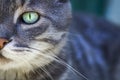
<point x="43" y="40"/>
<point x="33" y="34"/>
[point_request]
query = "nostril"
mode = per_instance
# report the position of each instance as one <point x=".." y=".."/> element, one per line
<point x="3" y="42"/>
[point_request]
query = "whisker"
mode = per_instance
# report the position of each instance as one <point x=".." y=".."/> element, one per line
<point x="54" y="57"/>
<point x="70" y="67"/>
<point x="40" y="74"/>
<point x="47" y="73"/>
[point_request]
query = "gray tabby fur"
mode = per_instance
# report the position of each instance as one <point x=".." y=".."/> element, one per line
<point x="30" y="54"/>
<point x="45" y="50"/>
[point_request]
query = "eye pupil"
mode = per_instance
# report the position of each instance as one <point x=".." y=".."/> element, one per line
<point x="30" y="17"/>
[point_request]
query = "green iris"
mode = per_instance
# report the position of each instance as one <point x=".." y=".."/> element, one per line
<point x="30" y="17"/>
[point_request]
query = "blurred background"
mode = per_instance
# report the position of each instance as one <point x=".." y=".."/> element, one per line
<point x="110" y="9"/>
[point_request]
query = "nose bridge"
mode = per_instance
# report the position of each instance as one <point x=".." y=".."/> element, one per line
<point x="6" y="31"/>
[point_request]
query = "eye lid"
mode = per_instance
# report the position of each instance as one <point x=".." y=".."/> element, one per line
<point x="22" y="21"/>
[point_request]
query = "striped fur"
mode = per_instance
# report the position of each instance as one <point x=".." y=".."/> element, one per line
<point x="47" y="50"/>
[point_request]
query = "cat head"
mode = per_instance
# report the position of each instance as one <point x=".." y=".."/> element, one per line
<point x="36" y="31"/>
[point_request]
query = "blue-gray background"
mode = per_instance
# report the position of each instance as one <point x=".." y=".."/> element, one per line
<point x="110" y="9"/>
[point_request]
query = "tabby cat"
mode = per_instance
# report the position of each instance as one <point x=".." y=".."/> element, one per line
<point x="39" y="41"/>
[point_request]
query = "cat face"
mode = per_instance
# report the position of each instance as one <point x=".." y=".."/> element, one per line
<point x="36" y="30"/>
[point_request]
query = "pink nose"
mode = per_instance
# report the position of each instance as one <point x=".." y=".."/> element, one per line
<point x="3" y="42"/>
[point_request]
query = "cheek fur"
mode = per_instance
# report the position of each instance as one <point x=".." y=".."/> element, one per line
<point x="41" y="54"/>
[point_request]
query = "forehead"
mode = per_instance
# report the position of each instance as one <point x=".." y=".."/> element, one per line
<point x="8" y="6"/>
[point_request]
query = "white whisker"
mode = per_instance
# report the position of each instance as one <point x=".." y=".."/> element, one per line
<point x="47" y="73"/>
<point x="54" y="57"/>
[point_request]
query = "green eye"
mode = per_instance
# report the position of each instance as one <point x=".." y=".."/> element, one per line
<point x="30" y="17"/>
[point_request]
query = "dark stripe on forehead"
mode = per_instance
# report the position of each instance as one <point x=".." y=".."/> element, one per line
<point x="9" y="6"/>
